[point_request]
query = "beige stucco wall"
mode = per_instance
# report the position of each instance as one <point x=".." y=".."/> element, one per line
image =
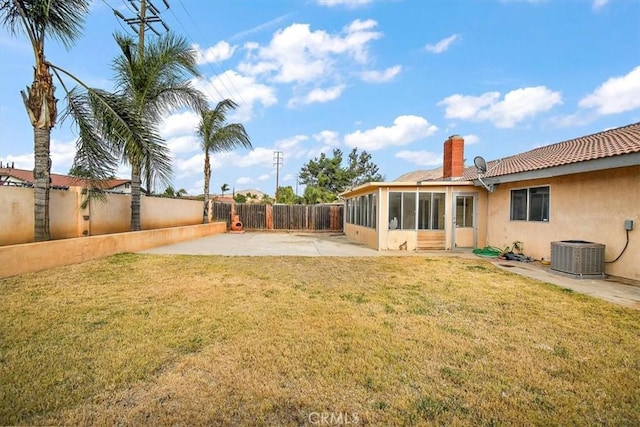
<point x="64" y="207"/>
<point x="67" y="219"/>
<point x="589" y="206"/>
<point x="30" y="257"/>
<point x="394" y="239"/>
<point x="365" y="235"/>
<point x="114" y="216"/>
<point x="16" y="215"/>
<point x="163" y="212"/>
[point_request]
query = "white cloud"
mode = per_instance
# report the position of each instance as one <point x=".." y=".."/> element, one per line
<point x="422" y="158"/>
<point x="243" y="180"/>
<point x="183" y="144"/>
<point x="290" y="143"/>
<point x="258" y="28"/>
<point x="259" y="156"/>
<point x="264" y="177"/>
<point x="616" y="95"/>
<point x="381" y="76"/>
<point x="219" y="52"/>
<point x="62" y="154"/>
<point x="296" y="54"/>
<point x="179" y="124"/>
<point x="348" y="3"/>
<point x="327" y="137"/>
<point x="359" y="25"/>
<point x="442" y="45"/>
<point x="405" y="130"/>
<point x="598" y="4"/>
<point x="471" y="139"/>
<point x="517" y="105"/>
<point x="467" y="107"/>
<point x="318" y="95"/>
<point x="242" y="89"/>
<point x="25" y="161"/>
<point x="192" y="165"/>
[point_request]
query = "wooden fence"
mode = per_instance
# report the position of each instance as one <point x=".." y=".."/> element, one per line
<point x="281" y="217"/>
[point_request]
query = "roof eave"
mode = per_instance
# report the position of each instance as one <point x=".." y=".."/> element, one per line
<point x="632" y="159"/>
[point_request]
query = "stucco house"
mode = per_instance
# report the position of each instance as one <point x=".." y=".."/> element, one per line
<point x="24" y="178"/>
<point x="586" y="189"/>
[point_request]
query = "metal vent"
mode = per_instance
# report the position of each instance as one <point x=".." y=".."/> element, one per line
<point x="578" y="258"/>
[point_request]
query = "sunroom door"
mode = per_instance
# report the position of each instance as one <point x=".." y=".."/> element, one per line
<point x="465" y="220"/>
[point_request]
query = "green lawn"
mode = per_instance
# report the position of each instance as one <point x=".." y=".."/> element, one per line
<point x="141" y="339"/>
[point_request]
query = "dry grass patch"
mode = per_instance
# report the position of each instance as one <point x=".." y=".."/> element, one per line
<point x="136" y="339"/>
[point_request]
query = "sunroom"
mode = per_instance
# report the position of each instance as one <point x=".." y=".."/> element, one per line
<point x="411" y="216"/>
<point x="444" y="213"/>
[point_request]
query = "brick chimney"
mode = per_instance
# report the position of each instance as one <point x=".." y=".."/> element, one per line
<point x="453" y="165"/>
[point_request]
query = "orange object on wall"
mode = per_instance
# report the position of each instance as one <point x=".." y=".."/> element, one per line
<point x="236" y="225"/>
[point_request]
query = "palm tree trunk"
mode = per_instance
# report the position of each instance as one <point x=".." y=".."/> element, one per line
<point x="135" y="198"/>
<point x="207" y="178"/>
<point x="40" y="103"/>
<point x="41" y="183"/>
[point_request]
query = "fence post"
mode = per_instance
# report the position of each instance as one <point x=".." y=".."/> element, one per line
<point x="269" y="216"/>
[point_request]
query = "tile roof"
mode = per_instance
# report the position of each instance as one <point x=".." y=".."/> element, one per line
<point x="610" y="143"/>
<point x="58" y="180"/>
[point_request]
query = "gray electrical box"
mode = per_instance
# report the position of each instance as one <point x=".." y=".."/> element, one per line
<point x="628" y="224"/>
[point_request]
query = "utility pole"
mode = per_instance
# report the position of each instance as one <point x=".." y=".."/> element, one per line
<point x="277" y="162"/>
<point x="147" y="14"/>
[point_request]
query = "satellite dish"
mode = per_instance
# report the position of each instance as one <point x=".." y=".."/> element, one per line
<point x="481" y="165"/>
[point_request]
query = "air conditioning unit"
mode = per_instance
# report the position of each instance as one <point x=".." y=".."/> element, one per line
<point x="578" y="258"/>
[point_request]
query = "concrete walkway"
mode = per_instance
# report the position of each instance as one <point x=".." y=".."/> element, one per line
<point x="337" y="245"/>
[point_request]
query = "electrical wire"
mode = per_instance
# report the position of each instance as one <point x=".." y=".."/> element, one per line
<point x="125" y="29"/>
<point x="623" y="249"/>
<point x="216" y="73"/>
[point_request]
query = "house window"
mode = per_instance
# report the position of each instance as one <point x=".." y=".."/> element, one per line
<point x="410" y="210"/>
<point x="464" y="211"/>
<point x="395" y="210"/>
<point x="530" y="204"/>
<point x="361" y="210"/>
<point x="430" y="211"/>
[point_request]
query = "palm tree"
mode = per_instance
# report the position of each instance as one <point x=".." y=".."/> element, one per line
<point x="39" y="20"/>
<point x="224" y="188"/>
<point x="149" y="83"/>
<point x="218" y="136"/>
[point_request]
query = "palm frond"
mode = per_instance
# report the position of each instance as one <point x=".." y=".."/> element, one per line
<point x="59" y="19"/>
<point x="218" y="136"/>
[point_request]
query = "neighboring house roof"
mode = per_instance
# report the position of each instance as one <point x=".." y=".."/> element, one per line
<point x="57" y="180"/>
<point x="421" y="175"/>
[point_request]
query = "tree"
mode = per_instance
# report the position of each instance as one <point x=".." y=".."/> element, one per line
<point x="224" y="188"/>
<point x="326" y="177"/>
<point x="40" y="20"/>
<point x="314" y="195"/>
<point x="171" y="192"/>
<point x="150" y="81"/>
<point x="287" y="196"/>
<point x="217" y="136"/>
<point x="361" y="169"/>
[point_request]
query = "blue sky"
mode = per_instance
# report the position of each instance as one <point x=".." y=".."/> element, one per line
<point x="393" y="77"/>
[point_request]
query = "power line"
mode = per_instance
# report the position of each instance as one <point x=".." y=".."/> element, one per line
<point x="146" y="15"/>
<point x="218" y="72"/>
